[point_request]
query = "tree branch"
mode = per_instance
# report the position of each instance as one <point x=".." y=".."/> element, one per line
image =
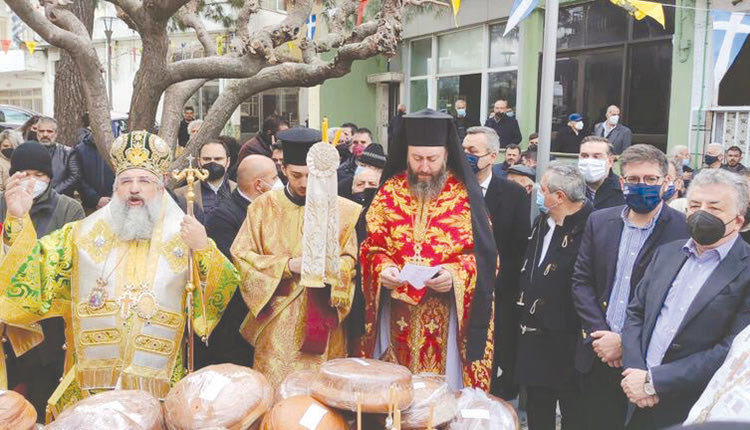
<point x="263" y="42"/>
<point x="249" y="7"/>
<point x="424" y="2"/>
<point x="189" y="17"/>
<point x="131" y="11"/>
<point x="174" y="100"/>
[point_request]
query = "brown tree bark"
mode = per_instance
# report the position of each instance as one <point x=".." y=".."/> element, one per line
<point x="70" y="99"/>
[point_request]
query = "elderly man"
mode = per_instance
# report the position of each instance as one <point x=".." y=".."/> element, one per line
<point x="595" y="161"/>
<point x="734" y="160"/>
<point x="524" y="176"/>
<point x="692" y="300"/>
<point x="508" y="206"/>
<point x="430" y="213"/>
<point x="569" y="138"/>
<point x="549" y="326"/>
<point x="616" y="248"/>
<point x="128" y="262"/>
<point x="66" y="173"/>
<point x="714" y="156"/>
<point x="617" y="134"/>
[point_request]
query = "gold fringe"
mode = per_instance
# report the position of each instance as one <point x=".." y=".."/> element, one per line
<point x="158" y="386"/>
<point x="98" y="377"/>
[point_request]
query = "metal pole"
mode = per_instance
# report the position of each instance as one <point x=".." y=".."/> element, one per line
<point x="108" y="33"/>
<point x="549" y="56"/>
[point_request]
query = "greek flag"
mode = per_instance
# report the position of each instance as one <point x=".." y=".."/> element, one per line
<point x="520" y="10"/>
<point x="17" y="30"/>
<point x="311" y="26"/>
<point x="730" y="29"/>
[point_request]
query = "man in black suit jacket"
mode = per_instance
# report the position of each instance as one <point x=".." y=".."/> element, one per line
<point x="693" y="299"/>
<point x="508" y="206"/>
<point x="256" y="174"/>
<point x="617" y="246"/>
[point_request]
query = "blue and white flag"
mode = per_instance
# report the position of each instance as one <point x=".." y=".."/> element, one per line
<point x="730" y="29"/>
<point x="311" y="26"/>
<point x="520" y="10"/>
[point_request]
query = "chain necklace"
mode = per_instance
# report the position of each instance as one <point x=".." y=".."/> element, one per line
<point x="98" y="296"/>
<point x="736" y="380"/>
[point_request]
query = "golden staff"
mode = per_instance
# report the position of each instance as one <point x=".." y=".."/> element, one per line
<point x="191" y="175"/>
<point x="324" y="129"/>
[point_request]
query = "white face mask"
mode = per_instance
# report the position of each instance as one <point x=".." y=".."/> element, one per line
<point x="39" y="186"/>
<point x="614" y="119"/>
<point x="579" y="125"/>
<point x="593" y="170"/>
<point x="277" y="184"/>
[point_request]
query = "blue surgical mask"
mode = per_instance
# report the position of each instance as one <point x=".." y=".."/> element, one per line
<point x="461" y="113"/>
<point x="359" y="170"/>
<point x="510" y="114"/>
<point x="686" y="162"/>
<point x="473" y="162"/>
<point x="540" y="201"/>
<point x="671" y="190"/>
<point x="642" y="198"/>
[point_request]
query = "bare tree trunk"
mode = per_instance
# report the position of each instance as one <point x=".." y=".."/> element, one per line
<point x="150" y="82"/>
<point x="70" y="100"/>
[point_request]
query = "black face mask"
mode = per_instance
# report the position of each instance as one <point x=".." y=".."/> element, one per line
<point x="7" y="152"/>
<point x="215" y="171"/>
<point x="710" y="159"/>
<point x="705" y="228"/>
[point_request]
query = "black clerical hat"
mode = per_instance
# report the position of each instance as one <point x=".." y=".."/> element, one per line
<point x="295" y="142"/>
<point x="427" y="128"/>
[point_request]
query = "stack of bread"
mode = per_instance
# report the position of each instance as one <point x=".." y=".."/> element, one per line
<point x="114" y="410"/>
<point x="222" y="395"/>
<point x="478" y="410"/>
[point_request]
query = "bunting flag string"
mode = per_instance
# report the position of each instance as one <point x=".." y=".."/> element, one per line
<point x="5" y="45"/>
<point x="640" y="9"/>
<point x="361" y="10"/>
<point x="456" y="4"/>
<point x="31" y="45"/>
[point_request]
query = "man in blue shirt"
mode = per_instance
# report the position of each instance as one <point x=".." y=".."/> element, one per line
<point x="617" y="245"/>
<point x="692" y="301"/>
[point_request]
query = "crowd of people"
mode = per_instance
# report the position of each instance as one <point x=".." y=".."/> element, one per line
<point x="615" y="305"/>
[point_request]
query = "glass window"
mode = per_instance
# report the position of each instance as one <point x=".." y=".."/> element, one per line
<point x="418" y="95"/>
<point x="448" y="89"/>
<point x="421" y="57"/>
<point x="465" y="87"/>
<point x="647" y="28"/>
<point x="250" y="115"/>
<point x="460" y="51"/>
<point x="650" y="76"/>
<point x="565" y="91"/>
<point x="605" y="23"/>
<point x="503" y="50"/>
<point x="603" y="85"/>
<point x="570" y="27"/>
<point x="501" y="85"/>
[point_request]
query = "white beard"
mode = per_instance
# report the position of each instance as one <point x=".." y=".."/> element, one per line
<point x="134" y="222"/>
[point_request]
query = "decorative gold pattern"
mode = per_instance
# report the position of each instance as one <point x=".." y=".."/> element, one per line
<point x="98" y="242"/>
<point x="100" y="337"/>
<point x="154" y="344"/>
<point x="167" y="319"/>
<point x="143" y="150"/>
<point x="109" y="308"/>
<point x="175" y="252"/>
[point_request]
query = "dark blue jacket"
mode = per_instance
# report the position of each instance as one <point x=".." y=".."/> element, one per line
<point x="720" y="310"/>
<point x="96" y="176"/>
<point x="596" y="267"/>
<point x="507" y="128"/>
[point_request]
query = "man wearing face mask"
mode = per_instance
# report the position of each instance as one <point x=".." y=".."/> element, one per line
<point x="370" y="165"/>
<point x="714" y="157"/>
<point x="616" y="248"/>
<point x="361" y="139"/>
<point x="462" y="120"/>
<point x="213" y="157"/>
<point x="549" y="326"/>
<point x="617" y="134"/>
<point x="508" y="206"/>
<point x="256" y="175"/>
<point x="569" y="138"/>
<point x="693" y="299"/>
<point x="39" y="369"/>
<point x="595" y="161"/>
<point x="503" y="121"/>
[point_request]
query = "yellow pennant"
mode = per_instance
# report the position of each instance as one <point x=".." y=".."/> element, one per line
<point x="456" y="7"/>
<point x="640" y="9"/>
<point x="31" y="45"/>
<point x="219" y="45"/>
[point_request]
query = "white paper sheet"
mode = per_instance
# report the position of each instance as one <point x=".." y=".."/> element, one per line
<point x="417" y="275"/>
<point x="312" y="417"/>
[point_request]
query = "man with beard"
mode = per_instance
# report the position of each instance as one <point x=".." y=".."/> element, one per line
<point x="430" y="212"/>
<point x="66" y="173"/>
<point x="214" y="157"/>
<point x="295" y="320"/>
<point x="188" y="115"/>
<point x="117" y="277"/>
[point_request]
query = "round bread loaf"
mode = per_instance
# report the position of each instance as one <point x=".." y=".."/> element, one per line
<point x="16" y="413"/>
<point x="296" y="384"/>
<point x="342" y="382"/>
<point x="434" y="402"/>
<point x="302" y="413"/>
<point x="90" y="419"/>
<point x="222" y="395"/>
<point x="478" y="410"/>
<point x="135" y="406"/>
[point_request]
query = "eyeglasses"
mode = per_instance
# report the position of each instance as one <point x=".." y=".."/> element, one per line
<point x="130" y="181"/>
<point x="648" y="180"/>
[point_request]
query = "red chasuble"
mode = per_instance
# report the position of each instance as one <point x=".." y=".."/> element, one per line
<point x="438" y="232"/>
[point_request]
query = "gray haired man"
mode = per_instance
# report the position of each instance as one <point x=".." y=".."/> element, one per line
<point x="690" y="304"/>
<point x="549" y="327"/>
